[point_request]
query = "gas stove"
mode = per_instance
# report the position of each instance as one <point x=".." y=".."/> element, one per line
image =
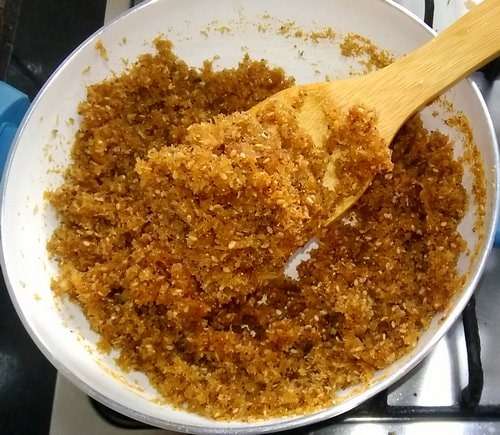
<point x="456" y="389"/>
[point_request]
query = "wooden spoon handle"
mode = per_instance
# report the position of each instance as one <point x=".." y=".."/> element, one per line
<point x="419" y="77"/>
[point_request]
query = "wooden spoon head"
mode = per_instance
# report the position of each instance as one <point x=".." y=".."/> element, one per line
<point x="321" y="110"/>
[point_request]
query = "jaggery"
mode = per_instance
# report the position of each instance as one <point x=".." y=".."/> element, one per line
<point x="282" y="346"/>
<point x="241" y="194"/>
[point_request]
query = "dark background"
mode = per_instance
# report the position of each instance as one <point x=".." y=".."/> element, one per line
<point x="35" y="36"/>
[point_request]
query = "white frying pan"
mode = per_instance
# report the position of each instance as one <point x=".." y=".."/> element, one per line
<point x="59" y="328"/>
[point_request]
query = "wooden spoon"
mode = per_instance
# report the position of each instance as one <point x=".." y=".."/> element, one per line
<point x="402" y="88"/>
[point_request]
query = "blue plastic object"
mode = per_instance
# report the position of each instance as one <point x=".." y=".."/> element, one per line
<point x="13" y="106"/>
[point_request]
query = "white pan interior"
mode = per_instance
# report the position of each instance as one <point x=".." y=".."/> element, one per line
<point x="60" y="330"/>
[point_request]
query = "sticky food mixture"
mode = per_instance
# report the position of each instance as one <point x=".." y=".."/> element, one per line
<point x="148" y="244"/>
<point x="241" y="194"/>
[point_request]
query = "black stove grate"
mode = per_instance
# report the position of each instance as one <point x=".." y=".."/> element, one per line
<point x="9" y="16"/>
